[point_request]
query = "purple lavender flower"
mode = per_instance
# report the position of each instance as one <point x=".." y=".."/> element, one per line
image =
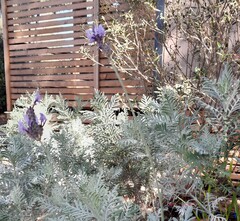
<point x="96" y="34"/>
<point x="42" y="119"/>
<point x="34" y="128"/>
<point x="26" y="119"/>
<point x="21" y="127"/>
<point x="37" y="97"/>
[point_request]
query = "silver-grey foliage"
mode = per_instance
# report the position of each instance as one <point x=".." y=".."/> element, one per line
<point x="82" y="171"/>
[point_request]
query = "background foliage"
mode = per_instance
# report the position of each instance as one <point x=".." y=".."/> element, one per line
<point x="198" y="38"/>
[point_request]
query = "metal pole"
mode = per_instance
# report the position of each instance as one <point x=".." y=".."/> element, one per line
<point x="158" y="35"/>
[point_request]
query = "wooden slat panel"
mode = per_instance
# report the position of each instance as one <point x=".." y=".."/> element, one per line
<point x="235" y="168"/>
<point x="51" y="84"/>
<point x="26" y="53"/>
<point x="84" y="97"/>
<point x="64" y="77"/>
<point x="50" y="71"/>
<point x="57" y="63"/>
<point x="19" y="2"/>
<point x="46" y="57"/>
<point x="107" y="69"/>
<point x="83" y="20"/>
<point x="40" y="18"/>
<point x="111" y="76"/>
<point x="42" y="30"/>
<point x="44" y="38"/>
<point x="115" y="83"/>
<point x="235" y="176"/>
<point x="53" y="90"/>
<point x="37" y="5"/>
<point x="116" y="90"/>
<point x="79" y="5"/>
<point x="48" y="44"/>
<point x="53" y="64"/>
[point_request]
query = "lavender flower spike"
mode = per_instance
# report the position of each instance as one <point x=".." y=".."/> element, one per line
<point x="42" y="119"/>
<point x="96" y="34"/>
<point x="37" y="97"/>
<point x="27" y="120"/>
<point x="99" y="31"/>
<point x="21" y="127"/>
<point x="34" y="126"/>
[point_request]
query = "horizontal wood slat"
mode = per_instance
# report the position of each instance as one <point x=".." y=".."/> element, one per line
<point x="61" y="23"/>
<point x="19" y="2"/>
<point x="58" y="90"/>
<point x="235" y="176"/>
<point x="37" y="5"/>
<point x="56" y="64"/>
<point x="46" y="57"/>
<point x="50" y="71"/>
<point x="64" y="77"/>
<point x="42" y="31"/>
<point x="44" y="44"/>
<point x="50" y="17"/>
<point x="44" y="38"/>
<point x="60" y="70"/>
<point x="51" y="50"/>
<point x="79" y="5"/>
<point x="38" y="73"/>
<point x="37" y="84"/>
<point x="112" y="76"/>
<point x="120" y="90"/>
<point x="115" y="83"/>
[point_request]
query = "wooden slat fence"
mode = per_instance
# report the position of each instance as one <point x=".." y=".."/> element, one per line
<point x="42" y="41"/>
<point x="109" y="83"/>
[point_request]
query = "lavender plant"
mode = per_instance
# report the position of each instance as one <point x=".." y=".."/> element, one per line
<point x="34" y="127"/>
<point x="82" y="171"/>
<point x="36" y="177"/>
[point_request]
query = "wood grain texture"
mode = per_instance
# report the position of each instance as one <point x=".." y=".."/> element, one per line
<point x="58" y="8"/>
<point x="43" y="40"/>
<point x="6" y="56"/>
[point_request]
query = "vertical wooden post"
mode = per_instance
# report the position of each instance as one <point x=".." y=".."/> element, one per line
<point x="96" y="50"/>
<point x="6" y="55"/>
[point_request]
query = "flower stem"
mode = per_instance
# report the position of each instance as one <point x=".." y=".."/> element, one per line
<point x="123" y="87"/>
<point x="147" y="149"/>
